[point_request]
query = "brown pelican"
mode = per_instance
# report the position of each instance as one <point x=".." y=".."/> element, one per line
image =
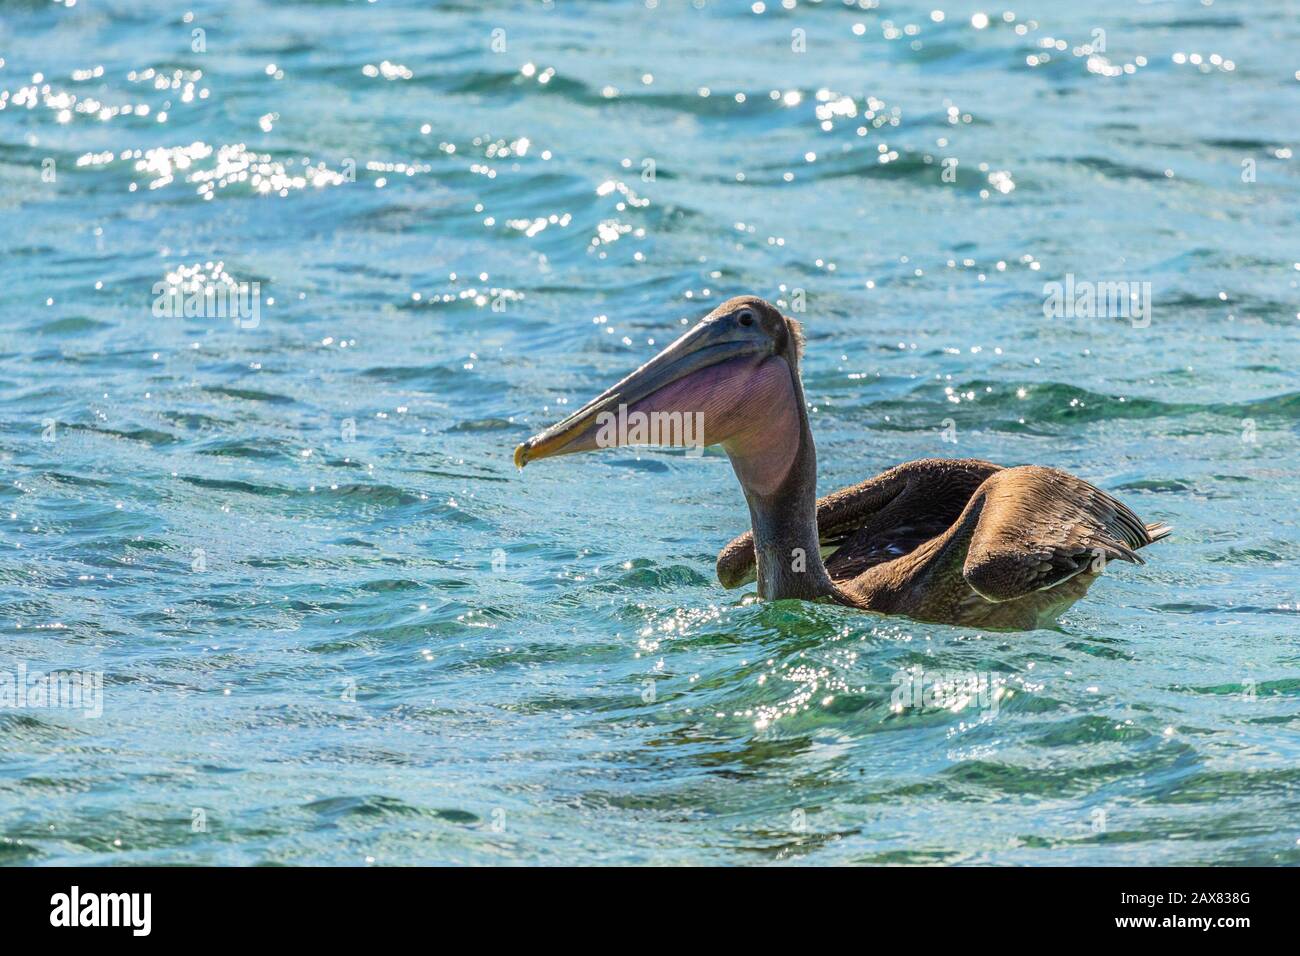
<point x="951" y="541"/>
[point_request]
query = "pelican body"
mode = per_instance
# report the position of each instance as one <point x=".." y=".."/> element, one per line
<point x="953" y="541"/>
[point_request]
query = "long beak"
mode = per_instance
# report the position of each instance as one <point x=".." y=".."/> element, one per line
<point x="708" y="343"/>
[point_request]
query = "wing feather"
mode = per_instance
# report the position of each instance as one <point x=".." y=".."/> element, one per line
<point x="876" y="520"/>
<point x="1039" y="527"/>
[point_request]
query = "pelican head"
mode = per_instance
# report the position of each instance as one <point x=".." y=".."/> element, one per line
<point x="731" y="380"/>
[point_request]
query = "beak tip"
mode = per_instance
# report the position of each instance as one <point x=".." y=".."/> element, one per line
<point x="521" y="455"/>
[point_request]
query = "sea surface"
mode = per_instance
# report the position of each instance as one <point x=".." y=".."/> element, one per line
<point x="335" y="625"/>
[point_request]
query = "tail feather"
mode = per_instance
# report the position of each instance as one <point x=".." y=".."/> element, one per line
<point x="1158" y="530"/>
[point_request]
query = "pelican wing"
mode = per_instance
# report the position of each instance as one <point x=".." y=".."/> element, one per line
<point x="878" y="519"/>
<point x="1038" y="527"/>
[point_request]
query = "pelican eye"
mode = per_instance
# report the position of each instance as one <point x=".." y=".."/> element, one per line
<point x="745" y="317"/>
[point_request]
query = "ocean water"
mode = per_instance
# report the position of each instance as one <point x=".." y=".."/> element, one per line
<point x="334" y="625"/>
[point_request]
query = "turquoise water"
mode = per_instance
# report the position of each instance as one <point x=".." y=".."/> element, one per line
<point x="336" y="626"/>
